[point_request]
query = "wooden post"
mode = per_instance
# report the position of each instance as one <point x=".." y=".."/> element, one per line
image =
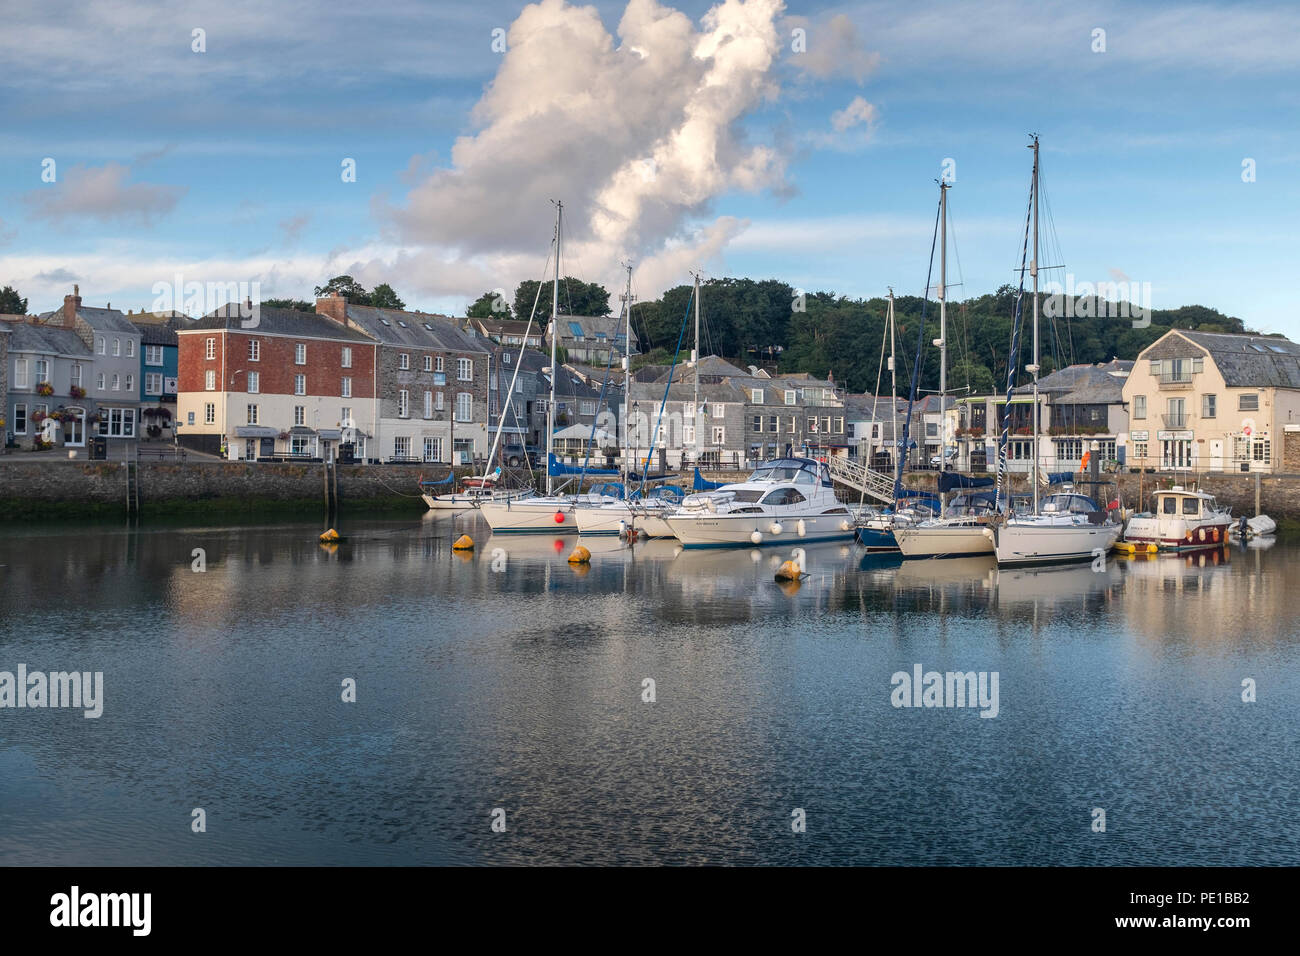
<point x="1256" y="494"/>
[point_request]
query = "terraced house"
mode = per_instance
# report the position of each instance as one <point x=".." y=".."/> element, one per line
<point x="291" y="386"/>
<point x="432" y="382"/>
<point x="1215" y="402"/>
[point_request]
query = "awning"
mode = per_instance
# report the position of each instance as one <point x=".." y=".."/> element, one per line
<point x="255" y="431"/>
<point x="301" y="430"/>
<point x="331" y="434"/>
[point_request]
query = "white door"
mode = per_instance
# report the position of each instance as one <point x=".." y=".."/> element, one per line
<point x="1216" y="454"/>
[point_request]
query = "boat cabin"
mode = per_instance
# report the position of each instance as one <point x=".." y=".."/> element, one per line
<point x="1188" y="504"/>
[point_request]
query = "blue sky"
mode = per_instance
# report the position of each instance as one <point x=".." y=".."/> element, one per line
<point x="816" y="166"/>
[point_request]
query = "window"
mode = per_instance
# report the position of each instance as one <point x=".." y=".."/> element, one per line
<point x="464" y="406"/>
<point x="756" y="396"/>
<point x="299" y="415"/>
<point x="345" y="390"/>
<point x="299" y="446"/>
<point x="688" y="410"/>
<point x="433" y="449"/>
<point x="130" y="348"/>
<point x="210" y="350"/>
<point x="20" y="419"/>
<point x="346" y="361"/>
<point x="20" y="373"/>
<point x="209" y="414"/>
<point x="404" y="361"/>
<point x="129" y="384"/>
<point x="464" y="370"/>
<point x="117" y="422"/>
<point x="252" y="414"/>
<point x="42" y="371"/>
<point x="1248" y="403"/>
<point x="438" y="364"/>
<point x="428" y="363"/>
<point x="403" y="403"/>
<point x="1140" y="450"/>
<point x="688" y="434"/>
<point x="99" y="345"/>
<point x="790" y="396"/>
<point x="771" y="423"/>
<point x="586" y="408"/>
<point x="1261" y="450"/>
<point x="428" y="404"/>
<point x="254" y="382"/>
<point x="462" y="450"/>
<point x="76" y="374"/>
<point x="117" y="382"/>
<point x="299" y="354"/>
<point x="839" y="426"/>
<point x="719" y="410"/>
<point x="300" y="384"/>
<point x="189" y="418"/>
<point x="1139" y="406"/>
<point x="792" y="427"/>
<point x="153" y="383"/>
<point x="100" y="379"/>
<point x="439" y="378"/>
<point x="117" y="346"/>
<point x="153" y="355"/>
<point x="719" y="435"/>
<point x="254" y="350"/>
<point x="402" y="447"/>
<point x="1209" y="406"/>
<point x="758" y="423"/>
<point x="345" y="416"/>
<point x="437" y="401"/>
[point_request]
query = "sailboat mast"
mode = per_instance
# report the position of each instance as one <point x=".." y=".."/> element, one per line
<point x="555" y="337"/>
<point x="695" y="364"/>
<point x="627" y="356"/>
<point x="1033" y="272"/>
<point x="943" y="312"/>
<point x="893" y="380"/>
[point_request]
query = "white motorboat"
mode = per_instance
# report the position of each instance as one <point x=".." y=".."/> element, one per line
<point x="1181" y="519"/>
<point x="958" y="533"/>
<point x="785" y="501"/>
<point x="1068" y="527"/>
<point x="1260" y="526"/>
<point x="647" y="516"/>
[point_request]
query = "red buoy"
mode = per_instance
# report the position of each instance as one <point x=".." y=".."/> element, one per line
<point x="559" y="517"/>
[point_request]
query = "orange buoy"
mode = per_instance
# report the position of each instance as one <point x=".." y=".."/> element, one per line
<point x="463" y="543"/>
<point x="559" y="517"/>
<point x="580" y="555"/>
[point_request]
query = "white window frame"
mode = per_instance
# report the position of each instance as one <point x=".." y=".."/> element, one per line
<point x="464" y="406"/>
<point x="300" y="384"/>
<point x="209" y="349"/>
<point x="403" y="403"/>
<point x="254" y="350"/>
<point x="345" y="389"/>
<point x="254" y="383"/>
<point x="464" y="370"/>
<point x="209" y="413"/>
<point x="346" y="361"/>
<point x="299" y="353"/>
<point x="404" y="361"/>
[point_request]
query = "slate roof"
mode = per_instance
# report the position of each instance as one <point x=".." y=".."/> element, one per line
<point x="420" y="330"/>
<point x="158" y="333"/>
<point x="1251" y="361"/>
<point x="106" y="320"/>
<point x="48" y="339"/>
<point x="1082" y="384"/>
<point x="273" y="321"/>
<point x="685" y="392"/>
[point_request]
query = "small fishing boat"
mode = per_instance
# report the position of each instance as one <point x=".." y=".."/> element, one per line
<point x="1260" y="526"/>
<point x="439" y="496"/>
<point x="1182" y="519"/>
<point x="786" y="500"/>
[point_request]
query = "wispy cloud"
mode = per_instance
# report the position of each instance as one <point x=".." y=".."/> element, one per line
<point x="102" y="194"/>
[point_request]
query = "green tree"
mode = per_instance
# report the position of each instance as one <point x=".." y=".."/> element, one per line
<point x="383" y="296"/>
<point x="346" y="286"/>
<point x="298" y="305"/>
<point x="11" y="303"/>
<point x="576" y="298"/>
<point x="490" y="306"/>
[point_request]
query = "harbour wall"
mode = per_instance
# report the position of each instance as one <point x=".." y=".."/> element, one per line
<point x="71" y="488"/>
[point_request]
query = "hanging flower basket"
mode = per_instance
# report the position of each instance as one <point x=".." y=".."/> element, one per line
<point x="76" y="391"/>
<point x="45" y="388"/>
<point x="38" y="417"/>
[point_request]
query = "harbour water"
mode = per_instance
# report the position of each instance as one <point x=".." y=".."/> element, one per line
<point x="509" y="679"/>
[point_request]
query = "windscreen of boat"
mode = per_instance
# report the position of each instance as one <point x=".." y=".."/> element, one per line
<point x="747" y="494"/>
<point x="785" y="469"/>
<point x="1069" y="504"/>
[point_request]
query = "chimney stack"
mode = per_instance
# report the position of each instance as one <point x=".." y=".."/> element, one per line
<point x="71" y="304"/>
<point x="333" y="306"/>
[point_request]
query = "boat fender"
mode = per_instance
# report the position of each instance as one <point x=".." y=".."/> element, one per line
<point x="580" y="555"/>
<point x="756" y="537"/>
<point x="776" y="527"/>
<point x="1200" y="534"/>
<point x="801" y="528"/>
<point x="1214" y="535"/>
<point x="463" y="543"/>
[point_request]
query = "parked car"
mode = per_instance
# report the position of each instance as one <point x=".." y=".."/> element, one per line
<point x="943" y="462"/>
<point x="513" y="454"/>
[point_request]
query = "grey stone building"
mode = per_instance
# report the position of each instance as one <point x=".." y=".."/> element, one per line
<point x="47" y="370"/>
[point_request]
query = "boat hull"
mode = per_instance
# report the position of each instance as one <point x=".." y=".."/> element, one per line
<point x="529" y="516"/>
<point x="1170" y="534"/>
<point x="943" y="542"/>
<point x="1032" y="543"/>
<point x="736" y="531"/>
<point x="614" y="520"/>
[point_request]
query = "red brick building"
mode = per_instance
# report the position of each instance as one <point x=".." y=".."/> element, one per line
<point x="282" y="384"/>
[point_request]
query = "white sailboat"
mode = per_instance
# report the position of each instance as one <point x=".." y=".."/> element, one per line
<point x="552" y="512"/>
<point x="1066" y="526"/>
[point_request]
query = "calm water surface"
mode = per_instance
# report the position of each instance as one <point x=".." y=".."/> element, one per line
<point x="521" y="687"/>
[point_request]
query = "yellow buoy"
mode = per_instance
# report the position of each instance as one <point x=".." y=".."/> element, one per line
<point x="463" y="543"/>
<point x="580" y="555"/>
<point x="1152" y="548"/>
<point x="789" y="571"/>
<point x="330" y="535"/>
